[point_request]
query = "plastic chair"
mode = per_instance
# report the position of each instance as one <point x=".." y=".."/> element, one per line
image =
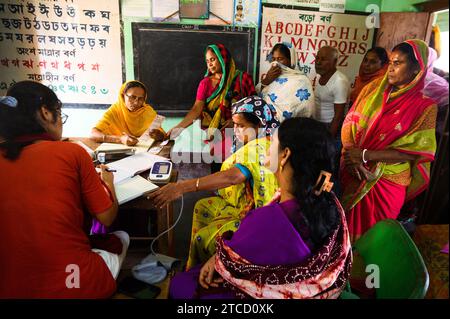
<point x="402" y="271"/>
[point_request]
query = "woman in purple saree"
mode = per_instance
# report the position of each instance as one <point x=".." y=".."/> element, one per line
<point x="296" y="247"/>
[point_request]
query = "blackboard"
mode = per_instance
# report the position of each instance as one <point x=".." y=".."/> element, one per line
<point x="169" y="59"/>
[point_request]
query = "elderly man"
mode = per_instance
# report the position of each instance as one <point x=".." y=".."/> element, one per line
<point x="331" y="90"/>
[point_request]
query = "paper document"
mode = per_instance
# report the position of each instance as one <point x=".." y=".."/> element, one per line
<point x="133" y="188"/>
<point x="133" y="165"/>
<point x="111" y="147"/>
<point x="145" y="139"/>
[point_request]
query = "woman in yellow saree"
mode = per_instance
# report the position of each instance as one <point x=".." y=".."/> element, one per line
<point x="243" y="182"/>
<point x="388" y="140"/>
<point x="128" y="118"/>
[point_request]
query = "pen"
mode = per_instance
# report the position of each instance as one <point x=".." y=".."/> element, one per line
<point x="111" y="170"/>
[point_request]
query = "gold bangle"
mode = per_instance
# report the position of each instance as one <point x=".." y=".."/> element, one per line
<point x="196" y="184"/>
<point x="104" y="137"/>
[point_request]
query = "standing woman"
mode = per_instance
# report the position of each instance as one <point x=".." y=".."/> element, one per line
<point x="128" y="118"/>
<point x="222" y="85"/>
<point x="389" y="141"/>
<point x="373" y="66"/>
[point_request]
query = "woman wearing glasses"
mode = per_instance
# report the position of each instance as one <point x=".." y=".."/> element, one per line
<point x="48" y="187"/>
<point x="128" y="118"/>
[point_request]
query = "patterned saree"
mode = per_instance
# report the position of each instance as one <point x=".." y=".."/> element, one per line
<point x="381" y="119"/>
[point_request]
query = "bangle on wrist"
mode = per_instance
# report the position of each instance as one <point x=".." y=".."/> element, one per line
<point x="363" y="156"/>
<point x="104" y="137"/>
<point x="196" y="184"/>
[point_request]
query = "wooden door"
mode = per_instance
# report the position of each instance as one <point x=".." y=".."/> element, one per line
<point x="396" y="27"/>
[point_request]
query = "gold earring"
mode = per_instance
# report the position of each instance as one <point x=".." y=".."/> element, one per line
<point x="281" y="168"/>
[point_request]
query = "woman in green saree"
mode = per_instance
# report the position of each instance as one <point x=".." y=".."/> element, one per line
<point x="222" y="85"/>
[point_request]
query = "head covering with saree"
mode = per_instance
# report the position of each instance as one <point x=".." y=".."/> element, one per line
<point x="215" y="215"/>
<point x="118" y="119"/>
<point x="384" y="119"/>
<point x="363" y="79"/>
<point x="233" y="86"/>
<point x="291" y="94"/>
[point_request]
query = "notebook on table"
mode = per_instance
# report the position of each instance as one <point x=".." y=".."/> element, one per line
<point x="132" y="188"/>
<point x="128" y="184"/>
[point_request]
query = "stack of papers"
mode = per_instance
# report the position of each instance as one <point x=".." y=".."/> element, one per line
<point x="134" y="165"/>
<point x="119" y="148"/>
<point x="128" y="184"/>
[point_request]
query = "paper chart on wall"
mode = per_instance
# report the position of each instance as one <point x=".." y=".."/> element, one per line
<point x="221" y="12"/>
<point x="165" y="10"/>
<point x="247" y="12"/>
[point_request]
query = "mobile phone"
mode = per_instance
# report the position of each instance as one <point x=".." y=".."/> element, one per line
<point x="134" y="288"/>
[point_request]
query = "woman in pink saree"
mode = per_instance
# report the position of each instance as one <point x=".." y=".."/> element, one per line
<point x="388" y="141"/>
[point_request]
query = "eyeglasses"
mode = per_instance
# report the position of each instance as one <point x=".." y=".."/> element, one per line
<point x="64" y="118"/>
<point x="133" y="98"/>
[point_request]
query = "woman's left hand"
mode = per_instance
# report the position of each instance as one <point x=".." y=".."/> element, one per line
<point x="166" y="194"/>
<point x="206" y="278"/>
<point x="352" y="156"/>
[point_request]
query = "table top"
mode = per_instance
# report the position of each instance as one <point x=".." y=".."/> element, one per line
<point x="165" y="152"/>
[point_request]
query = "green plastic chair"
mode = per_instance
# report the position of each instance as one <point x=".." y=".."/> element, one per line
<point x="403" y="273"/>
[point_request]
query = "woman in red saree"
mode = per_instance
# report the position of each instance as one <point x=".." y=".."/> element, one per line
<point x="222" y="85"/>
<point x="388" y="141"/>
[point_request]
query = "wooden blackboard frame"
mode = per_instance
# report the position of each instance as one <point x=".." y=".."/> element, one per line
<point x="182" y="108"/>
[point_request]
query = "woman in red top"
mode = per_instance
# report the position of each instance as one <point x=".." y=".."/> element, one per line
<point x="46" y="187"/>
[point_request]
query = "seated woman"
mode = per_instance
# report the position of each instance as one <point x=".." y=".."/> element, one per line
<point x="243" y="182"/>
<point x="296" y="247"/>
<point x="222" y="85"/>
<point x="128" y="118"/>
<point x="285" y="86"/>
<point x="47" y="188"/>
<point x="373" y="66"/>
<point x="388" y="140"/>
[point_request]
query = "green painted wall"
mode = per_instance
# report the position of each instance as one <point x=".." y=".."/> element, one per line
<point x="399" y="6"/>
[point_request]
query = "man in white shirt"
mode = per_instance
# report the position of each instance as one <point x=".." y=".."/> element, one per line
<point x="331" y="91"/>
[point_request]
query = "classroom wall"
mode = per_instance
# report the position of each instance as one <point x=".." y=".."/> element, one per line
<point x="81" y="121"/>
<point x="140" y="11"/>
<point x="350" y="5"/>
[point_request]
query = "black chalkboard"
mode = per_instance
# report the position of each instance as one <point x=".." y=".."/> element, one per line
<point x="169" y="59"/>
